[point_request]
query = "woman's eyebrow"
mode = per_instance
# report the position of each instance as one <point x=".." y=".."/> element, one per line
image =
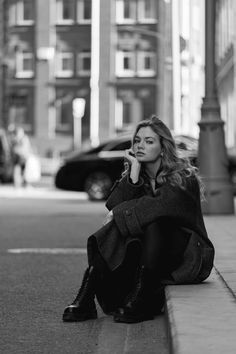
<point x="149" y="137"/>
<point x="146" y="137"/>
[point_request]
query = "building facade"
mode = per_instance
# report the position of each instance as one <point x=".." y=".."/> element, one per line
<point x="226" y="64"/>
<point x="191" y="58"/>
<point x="112" y="54"/>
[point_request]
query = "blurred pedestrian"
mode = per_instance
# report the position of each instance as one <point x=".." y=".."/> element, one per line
<point x="153" y="235"/>
<point x="21" y="150"/>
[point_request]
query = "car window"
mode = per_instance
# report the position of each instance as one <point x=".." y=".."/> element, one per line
<point x="118" y="146"/>
<point x="122" y="146"/>
<point x="97" y="149"/>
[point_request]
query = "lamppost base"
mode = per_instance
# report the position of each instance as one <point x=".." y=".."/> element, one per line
<point x="218" y="196"/>
<point x="213" y="166"/>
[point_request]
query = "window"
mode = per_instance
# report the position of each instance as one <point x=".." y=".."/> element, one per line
<point x="146" y="64"/>
<point x="24" y="64"/>
<point x="84" y="63"/>
<point x="127" y="113"/>
<point x="63" y="111"/>
<point x="65" y="12"/>
<point x="64" y="64"/>
<point x="123" y="117"/>
<point x="125" y="11"/>
<point x="147" y="11"/>
<point x="84" y="11"/>
<point x="63" y="117"/>
<point x="21" y="13"/>
<point x="19" y="111"/>
<point x="125" y="63"/>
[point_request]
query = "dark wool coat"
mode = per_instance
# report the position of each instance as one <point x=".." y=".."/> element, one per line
<point x="135" y="205"/>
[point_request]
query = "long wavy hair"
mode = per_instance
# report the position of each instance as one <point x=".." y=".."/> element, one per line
<point x="174" y="169"/>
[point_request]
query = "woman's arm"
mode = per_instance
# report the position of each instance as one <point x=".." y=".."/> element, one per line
<point x="171" y="201"/>
<point x="124" y="190"/>
<point x="130" y="186"/>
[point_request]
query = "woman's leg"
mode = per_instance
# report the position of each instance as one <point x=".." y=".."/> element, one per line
<point x="83" y="307"/>
<point x="153" y="247"/>
<point x="147" y="296"/>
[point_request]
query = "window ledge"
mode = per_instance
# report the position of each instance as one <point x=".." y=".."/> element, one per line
<point x="24" y="75"/>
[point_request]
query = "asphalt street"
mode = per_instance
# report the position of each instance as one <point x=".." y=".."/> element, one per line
<point x="42" y="246"/>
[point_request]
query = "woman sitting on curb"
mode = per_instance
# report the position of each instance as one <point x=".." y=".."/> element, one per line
<point x="153" y="235"/>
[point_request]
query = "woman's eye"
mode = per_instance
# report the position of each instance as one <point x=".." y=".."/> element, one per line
<point x="149" y="142"/>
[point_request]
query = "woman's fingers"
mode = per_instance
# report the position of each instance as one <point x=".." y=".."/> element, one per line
<point x="129" y="154"/>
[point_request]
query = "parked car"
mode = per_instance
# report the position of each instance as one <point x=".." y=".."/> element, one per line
<point x="95" y="170"/>
<point x="6" y="165"/>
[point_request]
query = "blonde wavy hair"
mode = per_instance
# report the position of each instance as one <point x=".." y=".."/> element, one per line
<point x="174" y="169"/>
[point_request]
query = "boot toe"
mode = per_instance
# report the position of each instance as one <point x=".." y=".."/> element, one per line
<point x="75" y="314"/>
<point x="127" y="315"/>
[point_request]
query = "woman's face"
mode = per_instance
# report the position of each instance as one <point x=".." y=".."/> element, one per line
<point x="147" y="146"/>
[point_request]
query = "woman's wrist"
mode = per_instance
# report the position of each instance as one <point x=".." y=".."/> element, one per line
<point x="134" y="172"/>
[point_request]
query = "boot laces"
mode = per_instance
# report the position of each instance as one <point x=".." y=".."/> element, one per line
<point x="133" y="295"/>
<point x="83" y="288"/>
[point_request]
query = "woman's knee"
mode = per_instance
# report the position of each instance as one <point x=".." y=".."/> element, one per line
<point x="153" y="229"/>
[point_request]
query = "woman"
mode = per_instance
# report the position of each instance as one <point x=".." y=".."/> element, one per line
<point x="153" y="235"/>
<point x="21" y="150"/>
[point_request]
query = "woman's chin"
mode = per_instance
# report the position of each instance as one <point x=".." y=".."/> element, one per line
<point x="141" y="158"/>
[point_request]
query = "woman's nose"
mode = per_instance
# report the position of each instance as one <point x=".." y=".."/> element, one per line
<point x="140" y="145"/>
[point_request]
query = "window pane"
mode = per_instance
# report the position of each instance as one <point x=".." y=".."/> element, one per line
<point x="127" y="64"/>
<point x="128" y="9"/>
<point x="87" y="9"/>
<point x="126" y="112"/>
<point x="148" y="9"/>
<point x="27" y="64"/>
<point x="67" y="12"/>
<point x="18" y="113"/>
<point x="147" y="63"/>
<point x="67" y="64"/>
<point x="86" y="64"/>
<point x="27" y="10"/>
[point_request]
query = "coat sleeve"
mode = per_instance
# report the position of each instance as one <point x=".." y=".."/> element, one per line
<point x="124" y="190"/>
<point x="170" y="201"/>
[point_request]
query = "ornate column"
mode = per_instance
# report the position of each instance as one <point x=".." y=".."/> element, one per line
<point x="213" y="161"/>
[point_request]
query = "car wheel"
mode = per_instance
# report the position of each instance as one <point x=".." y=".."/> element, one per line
<point x="98" y="185"/>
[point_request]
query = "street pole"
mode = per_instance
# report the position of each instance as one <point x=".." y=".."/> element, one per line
<point x="213" y="160"/>
<point x="78" y="109"/>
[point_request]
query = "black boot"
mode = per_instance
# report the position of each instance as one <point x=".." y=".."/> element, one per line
<point x="141" y="304"/>
<point x="83" y="307"/>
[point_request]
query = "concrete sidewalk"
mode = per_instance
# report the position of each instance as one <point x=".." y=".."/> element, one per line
<point x="202" y="318"/>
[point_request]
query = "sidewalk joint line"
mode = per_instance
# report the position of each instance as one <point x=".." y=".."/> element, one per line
<point x="226" y="284"/>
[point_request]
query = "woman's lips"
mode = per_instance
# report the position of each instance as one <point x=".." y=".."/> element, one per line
<point x="139" y="153"/>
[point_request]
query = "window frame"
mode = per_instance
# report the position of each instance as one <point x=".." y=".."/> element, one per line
<point x="120" y="12"/>
<point x="59" y="72"/>
<point x="120" y="70"/>
<point x="120" y="123"/>
<point x="141" y="71"/>
<point x="80" y="13"/>
<point x="20" y="72"/>
<point x="80" y="67"/>
<point x="16" y="14"/>
<point x="61" y="127"/>
<point x="141" y="12"/>
<point x="59" y="14"/>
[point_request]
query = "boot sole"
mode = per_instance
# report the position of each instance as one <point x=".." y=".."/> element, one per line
<point x="126" y="319"/>
<point x="70" y="317"/>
